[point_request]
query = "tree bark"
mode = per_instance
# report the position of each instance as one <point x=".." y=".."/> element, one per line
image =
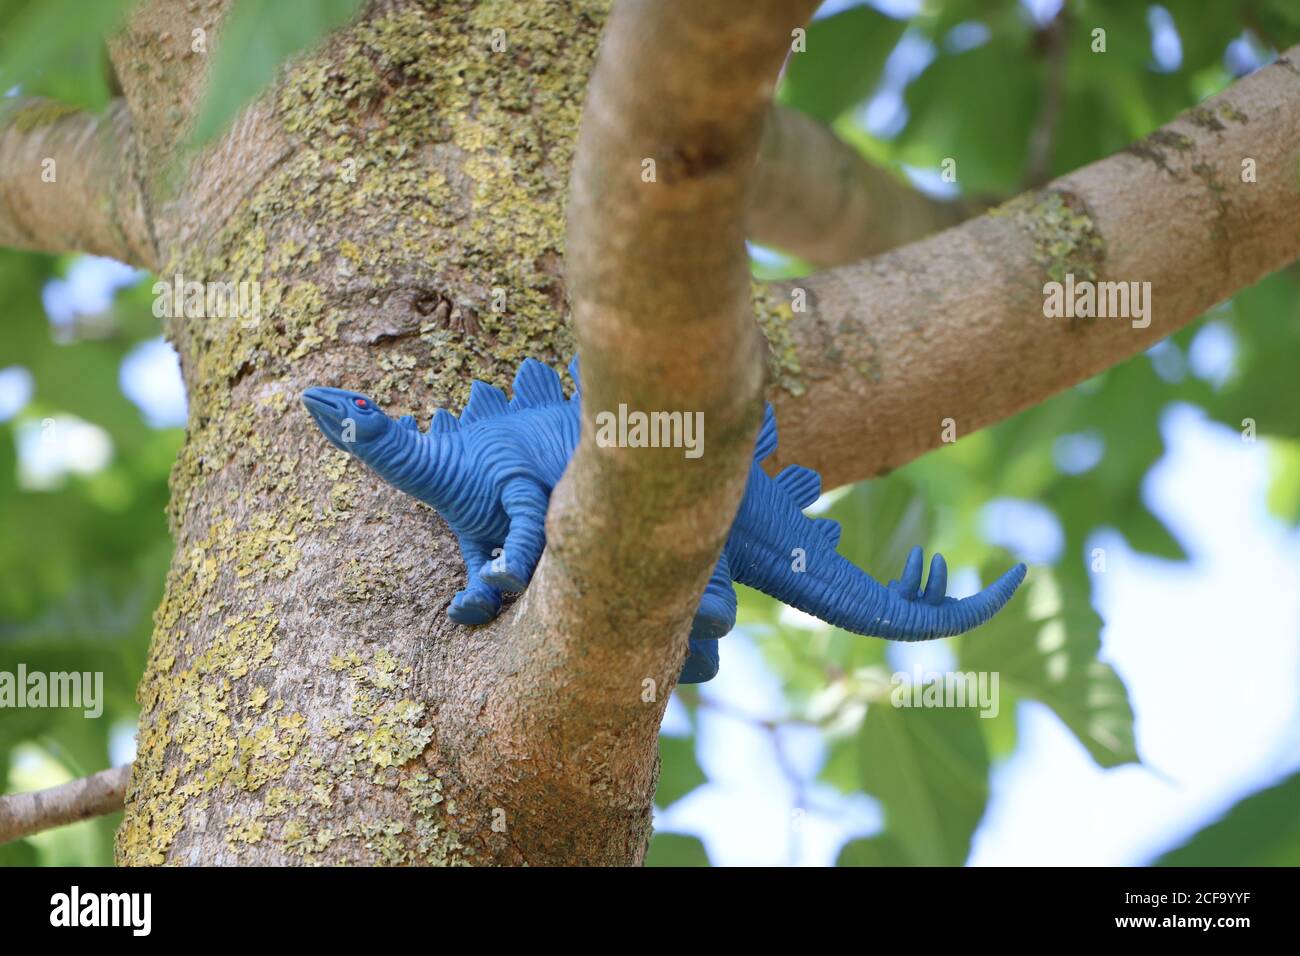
<point x="22" y="814"/>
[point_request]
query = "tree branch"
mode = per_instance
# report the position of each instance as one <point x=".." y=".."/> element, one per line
<point x="815" y="197"/>
<point x="659" y="286"/>
<point x="187" y="191"/>
<point x="69" y="182"/>
<point x="658" y="279"/>
<point x="953" y="326"/>
<point x="179" y="37"/>
<point x="22" y="814"/>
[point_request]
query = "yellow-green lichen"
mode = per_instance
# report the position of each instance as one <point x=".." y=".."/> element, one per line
<point x="774" y="313"/>
<point x="421" y="158"/>
<point x="1205" y="118"/>
<point x="1065" y="236"/>
<point x="1228" y="111"/>
<point x="33" y="116"/>
<point x="435" y="81"/>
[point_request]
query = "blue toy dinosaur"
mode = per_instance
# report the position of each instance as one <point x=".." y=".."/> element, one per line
<point x="490" y="474"/>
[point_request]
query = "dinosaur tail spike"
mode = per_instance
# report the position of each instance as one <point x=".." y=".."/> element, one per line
<point x="936" y="585"/>
<point x="850" y="598"/>
<point x="909" y="615"/>
<point x="910" y="582"/>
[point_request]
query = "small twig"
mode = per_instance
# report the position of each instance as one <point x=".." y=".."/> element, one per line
<point x="1052" y="44"/>
<point x="22" y="814"/>
<point x="1250" y="20"/>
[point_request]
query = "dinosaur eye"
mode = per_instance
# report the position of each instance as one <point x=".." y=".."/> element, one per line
<point x="360" y="402"/>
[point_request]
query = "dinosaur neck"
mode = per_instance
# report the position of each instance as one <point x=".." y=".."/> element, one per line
<point x="425" y="465"/>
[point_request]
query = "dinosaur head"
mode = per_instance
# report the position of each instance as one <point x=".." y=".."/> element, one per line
<point x="351" y="422"/>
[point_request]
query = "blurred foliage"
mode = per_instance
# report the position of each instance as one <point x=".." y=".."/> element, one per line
<point x="850" y="51"/>
<point x="928" y="768"/>
<point x="56" y="47"/>
<point x="257" y="37"/>
<point x="82" y="564"/>
<point x="674" y="849"/>
<point x="1262" y="830"/>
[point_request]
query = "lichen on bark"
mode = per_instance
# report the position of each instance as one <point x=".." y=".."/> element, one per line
<point x="1065" y="235"/>
<point x="290" y="707"/>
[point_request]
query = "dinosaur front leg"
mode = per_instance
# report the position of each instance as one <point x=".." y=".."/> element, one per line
<point x="480" y="602"/>
<point x="525" y="504"/>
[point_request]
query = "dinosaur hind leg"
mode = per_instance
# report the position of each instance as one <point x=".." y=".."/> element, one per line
<point x="716" y="614"/>
<point x="525" y="504"/>
<point x="701" y="663"/>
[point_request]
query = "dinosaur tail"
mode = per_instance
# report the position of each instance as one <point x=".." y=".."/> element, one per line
<point x="836" y="590"/>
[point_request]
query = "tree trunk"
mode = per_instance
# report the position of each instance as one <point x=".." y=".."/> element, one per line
<point x="399" y="197"/>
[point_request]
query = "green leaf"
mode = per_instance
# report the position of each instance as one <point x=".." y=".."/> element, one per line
<point x="999" y="15"/>
<point x="18" y="853"/>
<point x="257" y="38"/>
<point x="1261" y="830"/>
<point x="880" y="850"/>
<point x="83" y="572"/>
<point x="679" y="773"/>
<point x="674" y="849"/>
<point x="1266" y="325"/>
<point x="842" y="62"/>
<point x="1284" y="486"/>
<point x="1204" y="29"/>
<point x="1090" y="128"/>
<point x="56" y="48"/>
<point x="1278" y="21"/>
<point x="1044" y="646"/>
<point x="1128" y="39"/>
<point x="841" y="767"/>
<point x="928" y="767"/>
<point x="1145" y="532"/>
